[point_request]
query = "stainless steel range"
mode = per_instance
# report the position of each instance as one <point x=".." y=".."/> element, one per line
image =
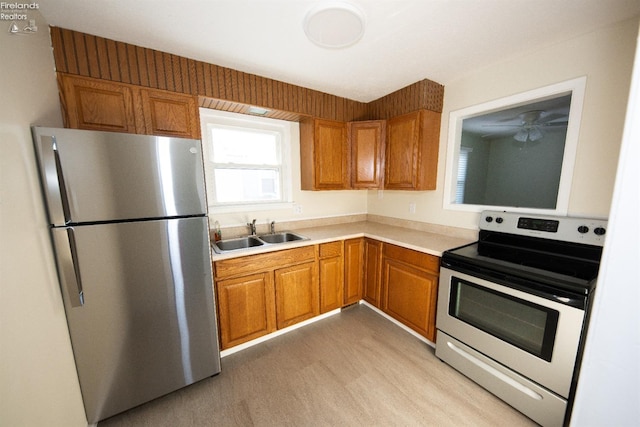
<point x="513" y="308"/>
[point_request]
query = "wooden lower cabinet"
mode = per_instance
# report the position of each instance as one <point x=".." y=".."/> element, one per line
<point x="331" y="270"/>
<point x="258" y="294"/>
<point x="297" y="294"/>
<point x="409" y="288"/>
<point x="353" y="270"/>
<point x="372" y="265"/>
<point x="246" y="308"/>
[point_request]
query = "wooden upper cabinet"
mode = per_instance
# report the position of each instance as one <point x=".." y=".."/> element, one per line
<point x="170" y="114"/>
<point x="367" y="153"/>
<point x="324" y="155"/>
<point x="412" y="151"/>
<point x="96" y="104"/>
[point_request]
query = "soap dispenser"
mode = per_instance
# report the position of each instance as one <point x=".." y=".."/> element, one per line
<point x="217" y="233"/>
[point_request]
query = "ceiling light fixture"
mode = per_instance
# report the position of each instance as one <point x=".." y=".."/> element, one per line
<point x="334" y="24"/>
<point x="258" y="111"/>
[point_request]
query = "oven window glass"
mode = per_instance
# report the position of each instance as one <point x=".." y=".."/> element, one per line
<point x="528" y="326"/>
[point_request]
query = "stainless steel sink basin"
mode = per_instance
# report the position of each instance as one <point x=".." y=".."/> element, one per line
<point x="236" y="244"/>
<point x="283" y="237"/>
<point x="248" y="242"/>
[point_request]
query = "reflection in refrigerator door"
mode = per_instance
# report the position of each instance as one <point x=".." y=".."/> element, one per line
<point x="130" y="233"/>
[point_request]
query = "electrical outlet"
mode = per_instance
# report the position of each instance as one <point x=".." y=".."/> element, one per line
<point x="412" y="208"/>
<point x="380" y="194"/>
<point x="297" y="209"/>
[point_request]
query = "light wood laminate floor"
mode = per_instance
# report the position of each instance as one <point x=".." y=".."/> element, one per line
<point x="352" y="369"/>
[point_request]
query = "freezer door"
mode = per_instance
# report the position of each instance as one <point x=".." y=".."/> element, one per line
<point x="147" y="323"/>
<point x="91" y="176"/>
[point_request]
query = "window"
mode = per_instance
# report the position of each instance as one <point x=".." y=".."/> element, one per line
<point x="246" y="161"/>
<point x="524" y="149"/>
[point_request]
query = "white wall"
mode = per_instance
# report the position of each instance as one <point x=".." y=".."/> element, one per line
<point x="38" y="382"/>
<point x="609" y="386"/>
<point x="605" y="57"/>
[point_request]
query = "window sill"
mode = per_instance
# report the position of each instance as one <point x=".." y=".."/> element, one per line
<point x="253" y="207"/>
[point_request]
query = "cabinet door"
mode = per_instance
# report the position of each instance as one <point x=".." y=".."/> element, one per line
<point x="331" y="283"/>
<point x="96" y="105"/>
<point x="353" y="270"/>
<point x="331" y="275"/>
<point x="324" y="155"/>
<point x="409" y="295"/>
<point x="297" y="294"/>
<point x="246" y="308"/>
<point x="170" y="114"/>
<point x="372" y="266"/>
<point x="403" y="133"/>
<point x="367" y="153"/>
<point x="412" y="151"/>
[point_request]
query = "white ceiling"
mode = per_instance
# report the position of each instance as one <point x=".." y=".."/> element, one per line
<point x="404" y="41"/>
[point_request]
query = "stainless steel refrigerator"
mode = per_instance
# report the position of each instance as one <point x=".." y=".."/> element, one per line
<point x="131" y="238"/>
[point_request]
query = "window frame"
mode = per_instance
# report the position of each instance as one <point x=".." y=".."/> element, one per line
<point x="574" y="86"/>
<point x="210" y="119"/>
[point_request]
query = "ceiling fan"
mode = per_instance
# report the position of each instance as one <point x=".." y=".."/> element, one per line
<point x="532" y="123"/>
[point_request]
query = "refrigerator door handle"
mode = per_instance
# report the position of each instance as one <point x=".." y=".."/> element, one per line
<point x="55" y="190"/>
<point x="68" y="267"/>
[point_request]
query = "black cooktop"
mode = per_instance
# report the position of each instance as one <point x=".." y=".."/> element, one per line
<point x="552" y="264"/>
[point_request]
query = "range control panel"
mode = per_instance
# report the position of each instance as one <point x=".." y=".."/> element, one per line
<point x="588" y="231"/>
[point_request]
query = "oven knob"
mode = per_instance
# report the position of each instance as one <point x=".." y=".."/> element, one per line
<point x="499" y="220"/>
<point x="583" y="229"/>
<point x="488" y="219"/>
<point x="600" y="231"/>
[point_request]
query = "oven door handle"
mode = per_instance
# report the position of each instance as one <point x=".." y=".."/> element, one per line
<point x="493" y="371"/>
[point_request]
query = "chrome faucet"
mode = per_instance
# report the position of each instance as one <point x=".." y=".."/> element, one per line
<point x="252" y="227"/>
<point x="272" y="227"/>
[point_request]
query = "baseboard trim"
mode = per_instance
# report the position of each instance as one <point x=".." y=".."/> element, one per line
<point x="406" y="328"/>
<point x="248" y="344"/>
<point x="277" y="333"/>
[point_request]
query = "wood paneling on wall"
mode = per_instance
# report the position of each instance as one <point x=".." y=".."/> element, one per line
<point x="424" y="94"/>
<point x="224" y="88"/>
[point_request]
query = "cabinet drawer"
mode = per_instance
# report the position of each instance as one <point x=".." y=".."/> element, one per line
<point x="328" y="250"/>
<point x="415" y="258"/>
<point x="263" y="262"/>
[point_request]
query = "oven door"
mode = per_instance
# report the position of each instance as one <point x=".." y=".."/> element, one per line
<point x="534" y="336"/>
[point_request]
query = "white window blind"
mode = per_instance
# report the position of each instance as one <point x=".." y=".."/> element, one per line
<point x="463" y="161"/>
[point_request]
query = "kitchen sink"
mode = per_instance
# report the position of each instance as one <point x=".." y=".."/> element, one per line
<point x="234" y="244"/>
<point x="283" y="237"/>
<point x="248" y="242"/>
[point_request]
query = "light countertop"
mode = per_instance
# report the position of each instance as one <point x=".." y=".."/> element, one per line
<point x="422" y="241"/>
